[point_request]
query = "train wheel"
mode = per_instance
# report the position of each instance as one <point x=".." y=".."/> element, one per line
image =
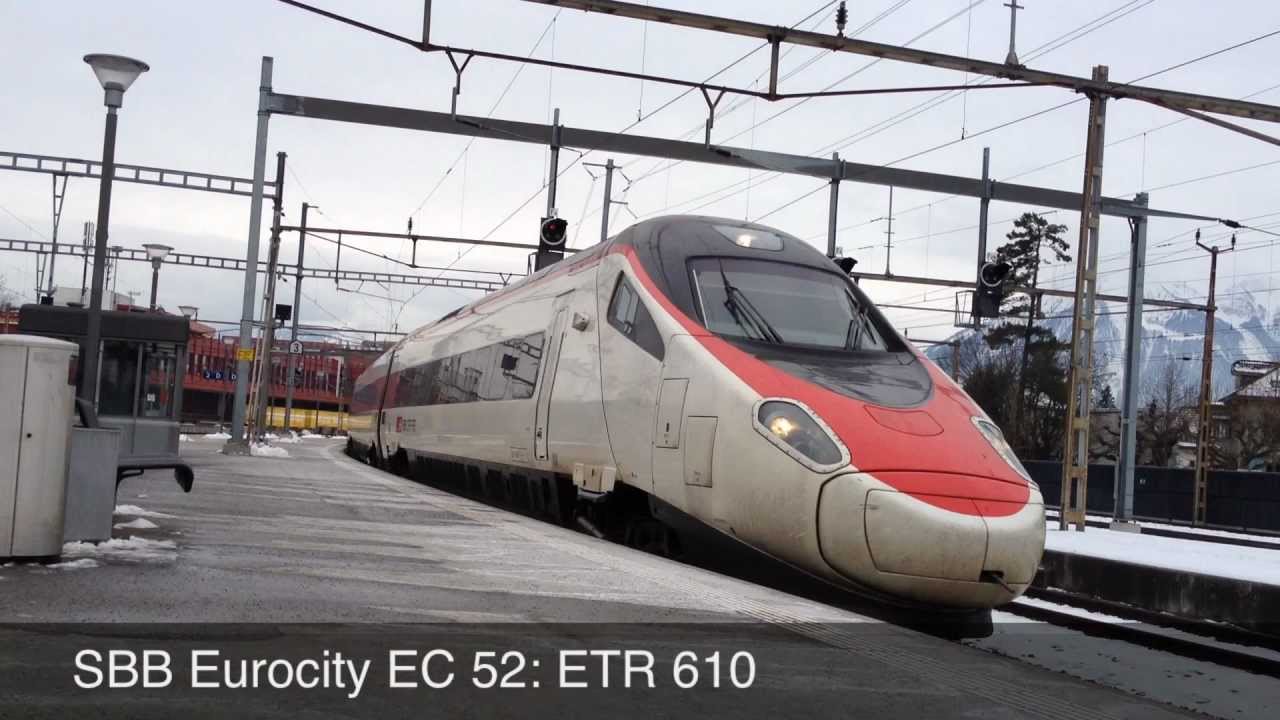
<point x="649" y="535"/>
<point x="399" y="464"/>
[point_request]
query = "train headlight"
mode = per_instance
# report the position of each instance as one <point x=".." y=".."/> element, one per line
<point x="1001" y="446"/>
<point x="799" y="433"/>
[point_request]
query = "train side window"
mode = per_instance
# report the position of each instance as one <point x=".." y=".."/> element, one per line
<point x="629" y="316"/>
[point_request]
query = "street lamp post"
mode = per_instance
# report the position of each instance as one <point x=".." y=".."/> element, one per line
<point x="116" y="74"/>
<point x="190" y="312"/>
<point x="156" y="253"/>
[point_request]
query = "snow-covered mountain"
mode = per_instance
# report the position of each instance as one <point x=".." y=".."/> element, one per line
<point x="1245" y="328"/>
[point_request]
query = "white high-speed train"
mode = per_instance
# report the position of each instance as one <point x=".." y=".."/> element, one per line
<point x="721" y="371"/>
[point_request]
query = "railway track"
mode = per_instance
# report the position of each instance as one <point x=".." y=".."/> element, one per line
<point x="1197" y="640"/>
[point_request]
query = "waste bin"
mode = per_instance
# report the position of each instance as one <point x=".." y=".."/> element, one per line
<point x="36" y="395"/>
<point x="91" y="484"/>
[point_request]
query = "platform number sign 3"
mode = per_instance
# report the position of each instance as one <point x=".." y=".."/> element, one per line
<point x="295" y="347"/>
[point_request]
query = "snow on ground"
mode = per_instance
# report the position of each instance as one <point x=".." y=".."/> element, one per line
<point x="1273" y="539"/>
<point x="135" y="511"/>
<point x="263" y="450"/>
<point x="291" y="437"/>
<point x="134" y="549"/>
<point x="1232" y="561"/>
<point x="217" y="436"/>
<point x="138" y="524"/>
<point x="183" y="437"/>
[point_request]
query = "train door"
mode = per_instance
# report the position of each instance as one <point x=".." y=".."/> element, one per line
<point x="381" y="430"/>
<point x="546" y="383"/>
<point x="631" y="351"/>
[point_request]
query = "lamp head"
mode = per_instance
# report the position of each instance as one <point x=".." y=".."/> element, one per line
<point x="116" y="73"/>
<point x="157" y="251"/>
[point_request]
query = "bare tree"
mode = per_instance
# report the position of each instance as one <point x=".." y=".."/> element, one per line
<point x="1166" y="416"/>
<point x="8" y="298"/>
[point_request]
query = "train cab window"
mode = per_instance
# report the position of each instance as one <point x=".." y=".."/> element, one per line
<point x="627" y="314"/>
<point x="784" y="304"/>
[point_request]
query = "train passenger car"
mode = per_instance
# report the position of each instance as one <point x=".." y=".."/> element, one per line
<point x="726" y="372"/>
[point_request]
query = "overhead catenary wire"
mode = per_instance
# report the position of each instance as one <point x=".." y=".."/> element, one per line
<point x="492" y="109"/>
<point x="876" y="128"/>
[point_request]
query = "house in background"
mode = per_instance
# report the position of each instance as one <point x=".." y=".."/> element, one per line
<point x="1252" y="440"/>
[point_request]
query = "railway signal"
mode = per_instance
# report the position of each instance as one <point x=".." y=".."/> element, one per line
<point x="991" y="289"/>
<point x="552" y="232"/>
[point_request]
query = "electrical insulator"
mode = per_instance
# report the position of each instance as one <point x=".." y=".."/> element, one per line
<point x="842" y="18"/>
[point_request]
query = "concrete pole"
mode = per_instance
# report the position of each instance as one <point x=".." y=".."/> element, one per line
<point x="554" y="166"/>
<point x="1075" y="454"/>
<point x="888" y="237"/>
<point x="1122" y="518"/>
<point x="833" y="205"/>
<point x="984" y="206"/>
<point x="1201" y="500"/>
<point x="155" y="282"/>
<point x="608" y="199"/>
<point x="93" y="323"/>
<point x="426" y="23"/>
<point x="266" y="372"/>
<point x="297" y="306"/>
<point x="84" y="265"/>
<point x="244" y="353"/>
<point x="57" y="217"/>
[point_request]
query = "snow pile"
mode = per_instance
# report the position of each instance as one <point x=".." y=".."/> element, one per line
<point x="80" y="564"/>
<point x="139" y="524"/>
<point x="292" y="437"/>
<point x="134" y="549"/>
<point x="183" y="437"/>
<point x="135" y="511"/>
<point x="263" y="450"/>
<point x="217" y="436"/>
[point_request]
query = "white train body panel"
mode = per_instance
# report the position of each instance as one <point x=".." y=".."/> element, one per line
<point x="921" y="503"/>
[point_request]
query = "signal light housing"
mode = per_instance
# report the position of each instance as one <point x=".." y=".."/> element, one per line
<point x="990" y="293"/>
<point x="552" y="232"/>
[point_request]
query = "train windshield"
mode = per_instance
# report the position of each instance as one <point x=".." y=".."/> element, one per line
<point x="783" y="304"/>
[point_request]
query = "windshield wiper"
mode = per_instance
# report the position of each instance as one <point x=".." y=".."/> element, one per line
<point x="858" y="326"/>
<point x="740" y="307"/>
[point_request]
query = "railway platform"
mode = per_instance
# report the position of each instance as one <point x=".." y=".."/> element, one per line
<point x="314" y="553"/>
<point x="1219" y="577"/>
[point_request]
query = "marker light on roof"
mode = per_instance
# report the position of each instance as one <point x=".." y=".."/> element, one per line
<point x="750" y="237"/>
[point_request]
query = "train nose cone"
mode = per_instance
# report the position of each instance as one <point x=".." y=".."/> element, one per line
<point x="972" y="545"/>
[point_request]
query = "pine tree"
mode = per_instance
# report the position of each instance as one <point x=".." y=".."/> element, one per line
<point x="1029" y="241"/>
<point x="1106" y="399"/>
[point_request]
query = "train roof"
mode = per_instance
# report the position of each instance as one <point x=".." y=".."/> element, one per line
<point x="679" y="237"/>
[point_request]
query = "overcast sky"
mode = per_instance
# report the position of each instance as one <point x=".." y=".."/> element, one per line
<point x="196" y="108"/>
